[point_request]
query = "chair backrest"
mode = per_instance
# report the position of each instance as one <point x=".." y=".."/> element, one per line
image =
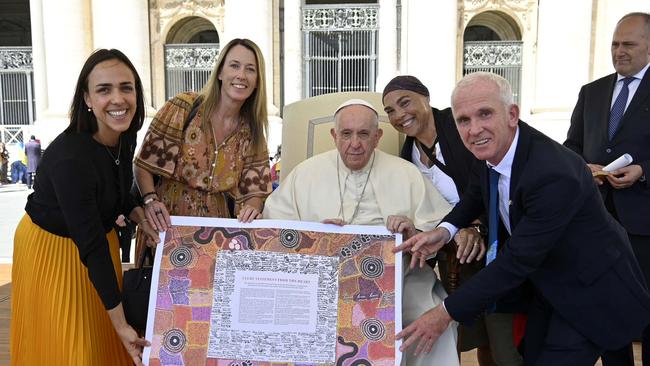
<point x="306" y="127"/>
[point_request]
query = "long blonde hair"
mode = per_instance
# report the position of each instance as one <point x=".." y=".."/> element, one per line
<point x="253" y="111"/>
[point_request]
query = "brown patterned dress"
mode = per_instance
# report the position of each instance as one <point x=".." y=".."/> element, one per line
<point x="195" y="174"/>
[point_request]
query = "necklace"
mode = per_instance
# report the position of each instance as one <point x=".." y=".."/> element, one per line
<point x="119" y="151"/>
<point x="341" y="193"/>
<point x="430" y="152"/>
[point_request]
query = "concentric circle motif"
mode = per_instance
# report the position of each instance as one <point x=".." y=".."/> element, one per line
<point x="181" y="256"/>
<point x="373" y="329"/>
<point x="289" y="238"/>
<point x="372" y="267"/>
<point x="174" y="340"/>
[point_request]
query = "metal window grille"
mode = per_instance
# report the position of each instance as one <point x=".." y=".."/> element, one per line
<point x="500" y="57"/>
<point x="188" y="66"/>
<point x="340" y="48"/>
<point x="16" y="92"/>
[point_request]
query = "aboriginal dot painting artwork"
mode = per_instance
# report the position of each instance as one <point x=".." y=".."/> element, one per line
<point x="241" y="296"/>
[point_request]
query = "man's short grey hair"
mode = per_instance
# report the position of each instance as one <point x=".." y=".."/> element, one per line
<point x="505" y="90"/>
<point x="643" y="15"/>
<point x="351" y="102"/>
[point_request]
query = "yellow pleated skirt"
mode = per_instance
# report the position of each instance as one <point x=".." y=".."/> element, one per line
<point x="57" y="317"/>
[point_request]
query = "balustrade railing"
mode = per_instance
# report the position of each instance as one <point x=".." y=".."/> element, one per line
<point x="188" y="66"/>
<point x="16" y="91"/>
<point x="340" y="48"/>
<point x="499" y="57"/>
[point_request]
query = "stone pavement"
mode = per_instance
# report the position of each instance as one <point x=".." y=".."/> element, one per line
<point x="12" y="207"/>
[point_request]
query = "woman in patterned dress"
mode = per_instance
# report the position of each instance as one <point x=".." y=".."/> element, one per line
<point x="217" y="165"/>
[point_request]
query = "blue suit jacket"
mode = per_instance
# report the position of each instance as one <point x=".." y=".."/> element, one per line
<point x="588" y="137"/>
<point x="564" y="242"/>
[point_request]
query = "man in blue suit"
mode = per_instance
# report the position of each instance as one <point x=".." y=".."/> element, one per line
<point x="612" y="118"/>
<point x="588" y="294"/>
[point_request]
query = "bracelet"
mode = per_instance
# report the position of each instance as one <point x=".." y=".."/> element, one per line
<point x="149" y="194"/>
<point x="149" y="200"/>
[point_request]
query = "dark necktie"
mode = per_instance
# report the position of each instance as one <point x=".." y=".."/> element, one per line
<point x="618" y="109"/>
<point x="493" y="217"/>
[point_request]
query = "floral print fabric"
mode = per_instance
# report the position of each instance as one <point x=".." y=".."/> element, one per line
<point x="195" y="173"/>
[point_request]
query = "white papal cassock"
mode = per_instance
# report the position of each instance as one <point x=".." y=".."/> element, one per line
<point x="313" y="192"/>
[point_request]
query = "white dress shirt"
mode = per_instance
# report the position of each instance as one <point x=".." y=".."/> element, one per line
<point x="504" y="168"/>
<point x="632" y="86"/>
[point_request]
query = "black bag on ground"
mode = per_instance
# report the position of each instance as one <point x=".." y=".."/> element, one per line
<point x="136" y="286"/>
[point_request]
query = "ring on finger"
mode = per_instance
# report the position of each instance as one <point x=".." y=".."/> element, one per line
<point x="158" y="212"/>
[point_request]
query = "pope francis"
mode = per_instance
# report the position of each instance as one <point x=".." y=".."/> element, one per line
<point x="359" y="184"/>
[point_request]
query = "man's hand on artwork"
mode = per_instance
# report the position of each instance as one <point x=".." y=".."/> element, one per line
<point x="425" y="330"/>
<point x="423" y="245"/>
<point x="402" y="225"/>
<point x="470" y="245"/>
<point x="334" y="221"/>
<point x="248" y="214"/>
<point x="625" y="177"/>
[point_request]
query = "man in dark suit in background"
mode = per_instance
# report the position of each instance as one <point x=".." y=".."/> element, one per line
<point x="33" y="152"/>
<point x="588" y="293"/>
<point x="612" y="118"/>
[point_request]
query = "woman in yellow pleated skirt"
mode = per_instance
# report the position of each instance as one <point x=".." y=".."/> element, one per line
<point x="67" y="277"/>
<point x="57" y="317"/>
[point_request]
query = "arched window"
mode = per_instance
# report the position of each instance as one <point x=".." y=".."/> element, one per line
<point x="191" y="50"/>
<point x="492" y="43"/>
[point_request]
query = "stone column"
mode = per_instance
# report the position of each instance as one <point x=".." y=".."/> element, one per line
<point x="562" y="63"/>
<point x="293" y="68"/>
<point x="124" y="24"/>
<point x="429" y="45"/>
<point x="258" y="27"/>
<point x="67" y="42"/>
<point x="38" y="59"/>
<point x="387" y="44"/>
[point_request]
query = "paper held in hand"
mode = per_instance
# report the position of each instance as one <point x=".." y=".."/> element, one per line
<point x="623" y="161"/>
